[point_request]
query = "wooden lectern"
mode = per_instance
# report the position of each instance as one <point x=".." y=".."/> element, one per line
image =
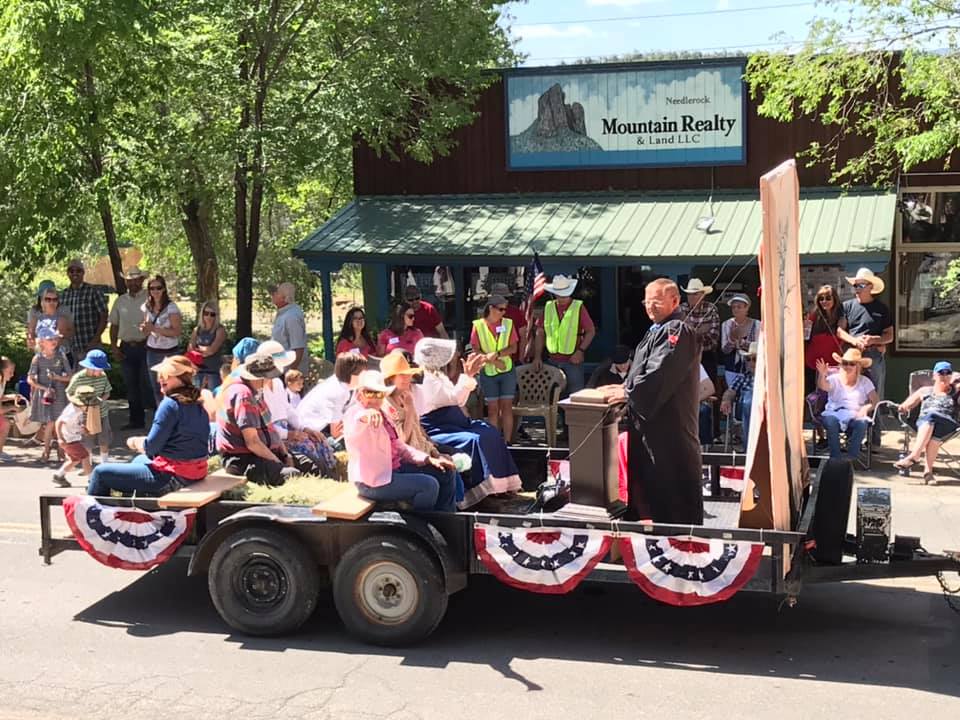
<point x="593" y="429"/>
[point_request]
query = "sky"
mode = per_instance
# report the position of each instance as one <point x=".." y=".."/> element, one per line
<point x="555" y="31"/>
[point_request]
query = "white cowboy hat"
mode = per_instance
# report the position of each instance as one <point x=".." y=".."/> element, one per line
<point x="372" y="380"/>
<point x="434" y="353"/>
<point x="562" y="286"/>
<point x="134" y="273"/>
<point x="696" y="286"/>
<point x="866" y="275"/>
<point x="281" y="358"/>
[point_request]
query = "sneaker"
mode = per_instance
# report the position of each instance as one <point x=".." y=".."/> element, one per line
<point x="60" y="480"/>
<point x="104" y="458"/>
<point x="7" y="457"/>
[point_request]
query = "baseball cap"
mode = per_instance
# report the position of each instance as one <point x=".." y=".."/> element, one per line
<point x="943" y="367"/>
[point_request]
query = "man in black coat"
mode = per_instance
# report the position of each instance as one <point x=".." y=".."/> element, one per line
<point x="664" y="464"/>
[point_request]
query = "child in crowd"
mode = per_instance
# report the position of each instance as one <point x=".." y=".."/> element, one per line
<point x="71" y="429"/>
<point x="9" y="403"/>
<point x="293" y="379"/>
<point x="93" y="373"/>
<point x="48" y="376"/>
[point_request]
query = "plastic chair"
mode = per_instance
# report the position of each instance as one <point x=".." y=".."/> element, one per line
<point x="817" y="403"/>
<point x="921" y="379"/>
<point x="538" y="392"/>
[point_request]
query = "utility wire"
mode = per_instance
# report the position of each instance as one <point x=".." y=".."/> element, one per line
<point x="659" y="16"/>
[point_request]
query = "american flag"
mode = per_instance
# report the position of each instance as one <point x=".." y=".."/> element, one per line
<point x="533" y="285"/>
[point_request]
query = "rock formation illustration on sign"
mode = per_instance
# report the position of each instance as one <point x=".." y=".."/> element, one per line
<point x="558" y="128"/>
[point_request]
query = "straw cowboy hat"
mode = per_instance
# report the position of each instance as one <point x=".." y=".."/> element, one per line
<point x="372" y="380"/>
<point x="434" y="353"/>
<point x="751" y="351"/>
<point x="562" y="286"/>
<point x="281" y="358"/>
<point x="853" y="355"/>
<point x="866" y="275"/>
<point x="134" y="273"/>
<point x="696" y="286"/>
<point x="395" y="363"/>
<point x="174" y="366"/>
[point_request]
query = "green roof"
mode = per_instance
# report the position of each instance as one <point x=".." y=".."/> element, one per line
<point x="598" y="228"/>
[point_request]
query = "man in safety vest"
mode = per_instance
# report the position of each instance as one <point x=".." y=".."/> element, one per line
<point x="566" y="332"/>
<point x="495" y="337"/>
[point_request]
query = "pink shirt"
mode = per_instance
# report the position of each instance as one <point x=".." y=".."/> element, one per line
<point x="374" y="453"/>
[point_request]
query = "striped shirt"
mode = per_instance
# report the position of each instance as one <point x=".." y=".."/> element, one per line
<point x="100" y="384"/>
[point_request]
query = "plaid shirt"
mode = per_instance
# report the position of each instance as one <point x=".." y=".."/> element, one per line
<point x="87" y="306"/>
<point x="743" y="383"/>
<point x="704" y="320"/>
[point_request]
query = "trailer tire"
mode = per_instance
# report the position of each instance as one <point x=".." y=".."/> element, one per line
<point x="832" y="511"/>
<point x="389" y="590"/>
<point x="263" y="582"/>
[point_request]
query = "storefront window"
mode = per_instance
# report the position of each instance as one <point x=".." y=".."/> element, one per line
<point x="930" y="217"/>
<point x="928" y="308"/>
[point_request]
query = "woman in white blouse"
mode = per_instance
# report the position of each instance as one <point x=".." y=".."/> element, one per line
<point x="439" y="402"/>
<point x="161" y="324"/>
<point x="851" y="398"/>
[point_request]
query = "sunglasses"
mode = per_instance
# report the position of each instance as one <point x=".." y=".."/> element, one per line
<point x="847" y="363"/>
<point x="373" y="394"/>
<point x="206" y="313"/>
<point x="862" y="286"/>
<point x="498" y="309"/>
<point x="154" y="288"/>
<point x="944" y="372"/>
<point x="825" y="299"/>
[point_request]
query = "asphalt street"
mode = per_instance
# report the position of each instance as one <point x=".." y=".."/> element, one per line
<point x="79" y="640"/>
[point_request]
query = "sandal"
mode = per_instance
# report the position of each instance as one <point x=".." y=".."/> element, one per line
<point x="905" y="464"/>
<point x="929" y="479"/>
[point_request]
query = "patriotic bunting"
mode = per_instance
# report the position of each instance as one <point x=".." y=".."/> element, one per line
<point x="541" y="560"/>
<point x="126" y="537"/>
<point x="732" y="478"/>
<point x="689" y="571"/>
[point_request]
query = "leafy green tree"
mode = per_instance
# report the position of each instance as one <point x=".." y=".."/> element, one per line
<point x="888" y="70"/>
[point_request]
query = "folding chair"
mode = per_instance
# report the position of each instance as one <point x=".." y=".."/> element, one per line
<point x="908" y="422"/>
<point x="816" y="404"/>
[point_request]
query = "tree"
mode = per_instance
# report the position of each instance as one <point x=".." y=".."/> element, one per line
<point x="888" y="70"/>
<point x="71" y="73"/>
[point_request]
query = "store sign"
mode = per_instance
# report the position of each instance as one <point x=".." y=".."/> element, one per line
<point x="631" y="116"/>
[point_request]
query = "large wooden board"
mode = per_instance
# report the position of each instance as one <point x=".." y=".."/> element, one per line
<point x="348" y="505"/>
<point x="201" y="492"/>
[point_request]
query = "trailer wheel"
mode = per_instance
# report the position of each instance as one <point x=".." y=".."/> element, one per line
<point x="389" y="591"/>
<point x="263" y="582"/>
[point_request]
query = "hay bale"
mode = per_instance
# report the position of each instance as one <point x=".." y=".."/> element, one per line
<point x="299" y="490"/>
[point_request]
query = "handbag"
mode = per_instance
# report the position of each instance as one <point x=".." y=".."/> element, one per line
<point x="25" y="426"/>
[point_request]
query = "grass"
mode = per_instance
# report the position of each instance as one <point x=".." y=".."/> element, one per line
<point x="300" y="490"/>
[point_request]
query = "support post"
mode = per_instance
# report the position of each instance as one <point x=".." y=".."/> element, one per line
<point x="326" y="295"/>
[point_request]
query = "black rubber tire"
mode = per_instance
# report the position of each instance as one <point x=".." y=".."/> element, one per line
<point x="263" y="582"/>
<point x="833" y="510"/>
<point x="398" y="571"/>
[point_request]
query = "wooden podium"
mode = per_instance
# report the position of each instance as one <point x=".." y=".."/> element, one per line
<point x="593" y="429"/>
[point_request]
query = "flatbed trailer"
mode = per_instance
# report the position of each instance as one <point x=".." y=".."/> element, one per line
<point x="392" y="571"/>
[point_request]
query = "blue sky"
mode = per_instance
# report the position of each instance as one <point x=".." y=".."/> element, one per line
<point x="554" y="31"/>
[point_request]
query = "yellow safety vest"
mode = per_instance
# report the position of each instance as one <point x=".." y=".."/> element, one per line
<point x="562" y="335"/>
<point x="489" y="343"/>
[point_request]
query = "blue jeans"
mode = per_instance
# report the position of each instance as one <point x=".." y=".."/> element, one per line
<point x="856" y="431"/>
<point x="139" y="390"/>
<point x="135" y="476"/>
<point x="746" y="403"/>
<point x="418" y="488"/>
<point x="706" y="424"/>
<point x="574" y="375"/>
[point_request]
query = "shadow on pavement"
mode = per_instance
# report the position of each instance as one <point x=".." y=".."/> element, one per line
<point x="848" y="632"/>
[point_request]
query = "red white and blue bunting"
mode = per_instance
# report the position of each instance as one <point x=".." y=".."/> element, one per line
<point x="126" y="537"/>
<point x="541" y="560"/>
<point x="688" y="571"/>
<point x="680" y="571"/>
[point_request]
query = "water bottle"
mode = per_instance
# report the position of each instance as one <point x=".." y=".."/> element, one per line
<point x="903" y="471"/>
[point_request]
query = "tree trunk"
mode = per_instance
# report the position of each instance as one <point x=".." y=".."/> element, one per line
<point x="196" y="224"/>
<point x="244" y="263"/>
<point x="88" y="90"/>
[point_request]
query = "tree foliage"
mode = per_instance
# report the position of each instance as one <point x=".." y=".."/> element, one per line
<point x="887" y="70"/>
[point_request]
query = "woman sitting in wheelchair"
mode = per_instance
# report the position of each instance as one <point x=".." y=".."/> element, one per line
<point x="851" y="398"/>
<point x="936" y="422"/>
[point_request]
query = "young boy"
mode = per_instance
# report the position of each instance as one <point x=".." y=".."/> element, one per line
<point x="293" y="379"/>
<point x="71" y="430"/>
<point x="93" y="373"/>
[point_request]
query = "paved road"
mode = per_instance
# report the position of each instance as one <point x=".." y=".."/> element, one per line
<point x="81" y="640"/>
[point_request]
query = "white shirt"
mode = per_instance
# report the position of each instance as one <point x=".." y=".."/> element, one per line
<point x="845" y="402"/>
<point x="437" y="391"/>
<point x="703" y="374"/>
<point x="284" y="416"/>
<point x="324" y="404"/>
<point x="72" y="423"/>
<point x="157" y="341"/>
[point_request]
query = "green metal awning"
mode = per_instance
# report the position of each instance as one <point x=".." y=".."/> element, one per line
<point x="598" y="228"/>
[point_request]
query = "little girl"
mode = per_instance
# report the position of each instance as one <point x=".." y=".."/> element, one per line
<point x="48" y="377"/>
<point x="71" y="432"/>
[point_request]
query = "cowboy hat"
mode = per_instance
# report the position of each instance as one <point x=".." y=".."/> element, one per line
<point x="866" y="275"/>
<point x="395" y="363"/>
<point x="372" y="380"/>
<point x="134" y="273"/>
<point x="84" y="395"/>
<point x="174" y="366"/>
<point x="752" y="350"/>
<point x="281" y="358"/>
<point x="496" y="300"/>
<point x="259" y="367"/>
<point x="695" y="285"/>
<point x="853" y="355"/>
<point x="740" y="298"/>
<point x="561" y="286"/>
<point x="434" y="353"/>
